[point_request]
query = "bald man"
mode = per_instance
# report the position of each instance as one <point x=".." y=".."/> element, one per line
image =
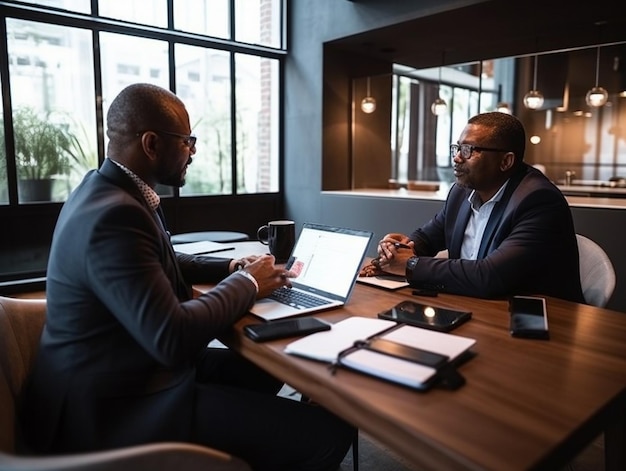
<point x="123" y="357"/>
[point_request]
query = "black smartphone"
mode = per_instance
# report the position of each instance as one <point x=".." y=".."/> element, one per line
<point x="426" y="316"/>
<point x="529" y="317"/>
<point x="273" y="330"/>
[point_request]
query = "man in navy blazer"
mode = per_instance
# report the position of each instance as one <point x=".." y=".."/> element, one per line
<point x="507" y="228"/>
<point x="123" y="357"/>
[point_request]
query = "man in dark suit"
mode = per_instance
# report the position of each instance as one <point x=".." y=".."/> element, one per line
<point x="508" y="230"/>
<point x="123" y="357"/>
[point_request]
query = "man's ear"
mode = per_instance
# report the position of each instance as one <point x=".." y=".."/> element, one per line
<point x="149" y="141"/>
<point x="507" y="162"/>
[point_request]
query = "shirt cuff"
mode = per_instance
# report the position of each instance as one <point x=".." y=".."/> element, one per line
<point x="250" y="277"/>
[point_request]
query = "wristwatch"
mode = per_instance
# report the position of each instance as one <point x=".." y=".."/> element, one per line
<point x="411" y="263"/>
<point x="238" y="266"/>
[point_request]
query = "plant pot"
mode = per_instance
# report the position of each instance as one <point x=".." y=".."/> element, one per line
<point x="35" y="190"/>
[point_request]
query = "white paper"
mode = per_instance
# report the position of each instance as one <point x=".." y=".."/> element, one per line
<point x="439" y="342"/>
<point x="326" y="346"/>
<point x="382" y="282"/>
<point x="204" y="246"/>
<point x="387" y="367"/>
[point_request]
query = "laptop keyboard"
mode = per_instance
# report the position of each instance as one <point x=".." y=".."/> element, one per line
<point x="297" y="299"/>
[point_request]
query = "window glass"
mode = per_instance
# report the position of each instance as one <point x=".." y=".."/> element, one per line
<point x="258" y="22"/>
<point x="52" y="83"/>
<point x="203" y="84"/>
<point x="209" y="17"/>
<point x="128" y="60"/>
<point x="147" y="12"/>
<point x="257" y="124"/>
<point x="82" y="6"/>
<point x="4" y="186"/>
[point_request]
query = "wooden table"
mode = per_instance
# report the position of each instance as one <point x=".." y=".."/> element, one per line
<point x="527" y="404"/>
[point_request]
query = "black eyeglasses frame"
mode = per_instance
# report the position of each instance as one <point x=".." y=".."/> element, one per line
<point x="188" y="139"/>
<point x="467" y="150"/>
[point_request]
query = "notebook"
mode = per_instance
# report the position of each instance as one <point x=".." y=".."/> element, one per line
<point x="327" y="260"/>
<point x="334" y="346"/>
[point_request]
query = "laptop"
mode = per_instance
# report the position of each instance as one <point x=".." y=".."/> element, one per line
<point x="327" y="260"/>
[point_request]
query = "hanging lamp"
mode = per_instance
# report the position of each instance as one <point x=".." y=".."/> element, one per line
<point x="368" y="104"/>
<point x="503" y="107"/>
<point x="534" y="98"/>
<point x="597" y="96"/>
<point x="439" y="106"/>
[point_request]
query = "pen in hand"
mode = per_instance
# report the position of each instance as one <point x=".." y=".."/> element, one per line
<point x="400" y="245"/>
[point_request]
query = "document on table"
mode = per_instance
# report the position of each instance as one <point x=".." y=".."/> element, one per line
<point x="333" y="346"/>
<point x="326" y="346"/>
<point x="202" y="247"/>
<point x="384" y="281"/>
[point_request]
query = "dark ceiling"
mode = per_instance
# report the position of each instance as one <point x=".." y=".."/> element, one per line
<point x="493" y="29"/>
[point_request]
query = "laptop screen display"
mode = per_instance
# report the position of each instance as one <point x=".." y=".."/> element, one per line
<point x="327" y="259"/>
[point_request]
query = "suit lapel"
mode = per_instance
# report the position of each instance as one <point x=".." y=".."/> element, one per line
<point x="182" y="289"/>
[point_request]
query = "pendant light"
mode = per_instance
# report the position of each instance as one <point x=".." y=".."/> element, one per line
<point x="503" y="107"/>
<point x="534" y="99"/>
<point x="439" y="106"/>
<point x="597" y="96"/>
<point x="368" y="104"/>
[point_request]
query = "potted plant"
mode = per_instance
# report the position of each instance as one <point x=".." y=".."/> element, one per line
<point x="44" y="149"/>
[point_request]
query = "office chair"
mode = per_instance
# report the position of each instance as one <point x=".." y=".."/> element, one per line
<point x="597" y="275"/>
<point x="21" y="323"/>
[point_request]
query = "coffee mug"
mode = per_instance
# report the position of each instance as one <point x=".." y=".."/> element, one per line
<point x="280" y="237"/>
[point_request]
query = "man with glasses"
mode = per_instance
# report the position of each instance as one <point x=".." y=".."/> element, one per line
<point x="123" y="357"/>
<point x="507" y="228"/>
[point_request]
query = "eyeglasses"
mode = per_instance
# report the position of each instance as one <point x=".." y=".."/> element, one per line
<point x="188" y="139"/>
<point x="467" y="150"/>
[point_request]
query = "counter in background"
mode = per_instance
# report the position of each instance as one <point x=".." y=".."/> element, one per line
<point x="594" y="191"/>
<point x="574" y="196"/>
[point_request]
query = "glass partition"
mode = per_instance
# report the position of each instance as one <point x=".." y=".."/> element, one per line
<point x="565" y="134"/>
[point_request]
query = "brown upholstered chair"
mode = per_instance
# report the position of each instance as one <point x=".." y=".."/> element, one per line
<point x="21" y="322"/>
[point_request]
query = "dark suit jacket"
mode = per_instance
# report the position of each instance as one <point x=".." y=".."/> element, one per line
<point x="529" y="245"/>
<point x="116" y="360"/>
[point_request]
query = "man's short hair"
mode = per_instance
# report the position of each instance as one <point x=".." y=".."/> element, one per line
<point x="508" y="131"/>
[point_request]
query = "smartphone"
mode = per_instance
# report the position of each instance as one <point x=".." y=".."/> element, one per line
<point x="529" y="317"/>
<point x="273" y="330"/>
<point x="426" y="316"/>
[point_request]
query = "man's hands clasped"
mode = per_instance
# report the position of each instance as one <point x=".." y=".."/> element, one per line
<point x="394" y="250"/>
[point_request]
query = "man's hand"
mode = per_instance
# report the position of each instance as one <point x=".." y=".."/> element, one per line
<point x="268" y="276"/>
<point x="393" y="251"/>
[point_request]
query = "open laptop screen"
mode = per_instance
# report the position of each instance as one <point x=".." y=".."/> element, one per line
<point x="327" y="259"/>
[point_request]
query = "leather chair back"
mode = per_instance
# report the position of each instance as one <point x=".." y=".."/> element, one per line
<point x="21" y="323"/>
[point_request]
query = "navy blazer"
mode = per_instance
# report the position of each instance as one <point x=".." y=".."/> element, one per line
<point x="528" y="247"/>
<point x="116" y="360"/>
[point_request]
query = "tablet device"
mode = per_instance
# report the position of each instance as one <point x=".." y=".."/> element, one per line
<point x="426" y="316"/>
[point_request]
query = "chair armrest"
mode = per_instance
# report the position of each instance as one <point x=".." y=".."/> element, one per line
<point x="165" y="455"/>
